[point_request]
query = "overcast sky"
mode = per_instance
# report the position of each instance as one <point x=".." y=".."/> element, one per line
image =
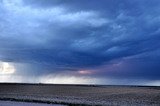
<point x="80" y="41"/>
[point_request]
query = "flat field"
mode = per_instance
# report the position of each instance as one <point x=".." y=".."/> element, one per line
<point x="82" y="94"/>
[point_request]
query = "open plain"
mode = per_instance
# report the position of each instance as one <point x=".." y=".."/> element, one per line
<point x="81" y="94"/>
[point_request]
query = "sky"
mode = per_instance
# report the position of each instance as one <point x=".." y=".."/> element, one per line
<point x="111" y="42"/>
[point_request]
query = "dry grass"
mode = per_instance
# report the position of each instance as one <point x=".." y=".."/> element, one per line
<point x="80" y="94"/>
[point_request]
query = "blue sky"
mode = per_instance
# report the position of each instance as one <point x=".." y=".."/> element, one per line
<point x="80" y="41"/>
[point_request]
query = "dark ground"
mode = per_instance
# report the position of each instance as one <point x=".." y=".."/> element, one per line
<point x="82" y="94"/>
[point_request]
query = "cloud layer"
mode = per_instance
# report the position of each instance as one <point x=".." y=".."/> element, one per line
<point x="113" y="39"/>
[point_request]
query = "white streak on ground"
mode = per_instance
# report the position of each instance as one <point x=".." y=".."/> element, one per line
<point x="11" y="103"/>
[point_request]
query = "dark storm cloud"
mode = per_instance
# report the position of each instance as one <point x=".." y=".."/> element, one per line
<point x="145" y="65"/>
<point x="72" y="35"/>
